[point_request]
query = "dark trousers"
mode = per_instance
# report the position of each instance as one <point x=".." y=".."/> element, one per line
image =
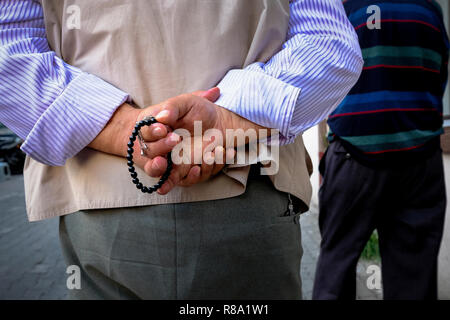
<point x="407" y="207"/>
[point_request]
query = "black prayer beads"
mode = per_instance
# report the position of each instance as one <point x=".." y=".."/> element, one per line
<point x="136" y="134"/>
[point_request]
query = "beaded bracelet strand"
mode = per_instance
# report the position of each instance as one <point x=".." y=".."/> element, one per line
<point x="148" y="121"/>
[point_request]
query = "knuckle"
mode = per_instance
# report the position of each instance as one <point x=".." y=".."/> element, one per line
<point x="147" y="168"/>
<point x="146" y="133"/>
<point x="170" y="103"/>
<point x="185" y="183"/>
<point x="172" y="180"/>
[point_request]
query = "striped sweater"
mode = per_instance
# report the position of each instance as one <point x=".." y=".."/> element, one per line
<point x="394" y="112"/>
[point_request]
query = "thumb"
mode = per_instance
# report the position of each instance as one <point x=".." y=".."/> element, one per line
<point x="177" y="107"/>
<point x="212" y="94"/>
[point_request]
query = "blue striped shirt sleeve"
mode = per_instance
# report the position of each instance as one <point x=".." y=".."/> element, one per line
<point x="55" y="108"/>
<point x="306" y="80"/>
<point x="58" y="109"/>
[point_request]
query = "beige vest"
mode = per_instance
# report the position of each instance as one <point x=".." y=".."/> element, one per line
<point x="153" y="50"/>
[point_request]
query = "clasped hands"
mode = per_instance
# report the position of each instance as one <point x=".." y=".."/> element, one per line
<point x="180" y="112"/>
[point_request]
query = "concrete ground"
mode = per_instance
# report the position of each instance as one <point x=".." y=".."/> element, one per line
<point x="31" y="264"/>
<point x="444" y="255"/>
<point x="32" y="267"/>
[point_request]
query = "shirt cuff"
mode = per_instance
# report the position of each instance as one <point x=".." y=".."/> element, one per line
<point x="73" y="120"/>
<point x="259" y="98"/>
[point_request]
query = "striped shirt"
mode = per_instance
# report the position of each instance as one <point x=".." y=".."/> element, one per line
<point x="395" y="109"/>
<point x="58" y="109"/>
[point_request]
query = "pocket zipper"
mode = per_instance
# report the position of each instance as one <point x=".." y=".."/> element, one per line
<point x="291" y="205"/>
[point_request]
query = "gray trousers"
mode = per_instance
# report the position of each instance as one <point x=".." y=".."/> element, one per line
<point x="244" y="247"/>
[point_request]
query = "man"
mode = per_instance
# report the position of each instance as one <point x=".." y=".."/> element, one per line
<point x="383" y="168"/>
<point x="67" y="91"/>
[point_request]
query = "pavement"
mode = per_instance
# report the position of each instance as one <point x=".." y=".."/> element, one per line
<point x="32" y="266"/>
<point x="31" y="263"/>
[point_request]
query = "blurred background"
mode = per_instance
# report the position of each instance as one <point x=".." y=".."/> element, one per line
<point x="316" y="143"/>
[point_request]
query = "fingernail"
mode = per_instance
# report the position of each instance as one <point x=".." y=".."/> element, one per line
<point x="155" y="165"/>
<point x="230" y="153"/>
<point x="208" y="158"/>
<point x="162" y="114"/>
<point x="173" y="139"/>
<point x="219" y="150"/>
<point x="158" y="131"/>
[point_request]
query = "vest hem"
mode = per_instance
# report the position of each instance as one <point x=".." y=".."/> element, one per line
<point x="38" y="215"/>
